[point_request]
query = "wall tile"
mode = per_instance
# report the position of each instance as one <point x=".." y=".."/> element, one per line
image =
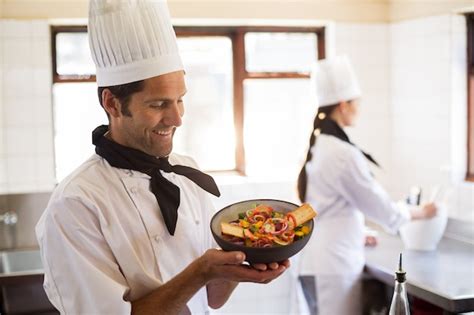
<point x="42" y="56"/>
<point x="361" y="32"/>
<point x="17" y="83"/>
<point x="1" y="82"/>
<point x="466" y="202"/>
<point x="458" y="24"/>
<point x="43" y="111"/>
<point x="16" y="28"/>
<point x="3" y="150"/>
<point x="19" y="142"/>
<point x="3" y="174"/>
<point x="18" y="112"/>
<point x="21" y="172"/>
<point x="17" y="52"/>
<point x="424" y="98"/>
<point x="45" y="172"/>
<point x="42" y="81"/>
<point x="1" y="98"/>
<point x="44" y="141"/>
<point x="40" y="29"/>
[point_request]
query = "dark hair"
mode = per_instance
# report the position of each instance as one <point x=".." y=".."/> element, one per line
<point x="123" y="93"/>
<point x="323" y="113"/>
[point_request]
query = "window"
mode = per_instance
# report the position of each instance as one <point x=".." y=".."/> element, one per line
<point x="249" y="87"/>
<point x="470" y="93"/>
<point x="271" y="105"/>
<point x="76" y="107"/>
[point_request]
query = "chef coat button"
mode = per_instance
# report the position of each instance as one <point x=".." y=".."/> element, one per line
<point x="197" y="222"/>
<point x="134" y="190"/>
<point x="157" y="239"/>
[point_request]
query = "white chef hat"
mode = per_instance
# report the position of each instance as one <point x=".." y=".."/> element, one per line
<point x="131" y="40"/>
<point x="334" y="81"/>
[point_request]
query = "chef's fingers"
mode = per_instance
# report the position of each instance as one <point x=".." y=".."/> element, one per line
<point x="428" y="210"/>
<point x="220" y="257"/>
<point x="286" y="263"/>
<point x="261" y="267"/>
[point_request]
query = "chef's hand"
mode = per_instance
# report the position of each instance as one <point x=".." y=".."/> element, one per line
<point x="370" y="241"/>
<point x="218" y="264"/>
<point x="425" y="211"/>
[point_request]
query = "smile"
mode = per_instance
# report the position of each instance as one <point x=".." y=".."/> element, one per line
<point x="163" y="133"/>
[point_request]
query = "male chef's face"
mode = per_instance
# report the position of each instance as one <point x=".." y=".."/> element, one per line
<point x="153" y="115"/>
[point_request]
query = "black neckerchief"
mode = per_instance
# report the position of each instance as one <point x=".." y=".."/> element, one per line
<point x="330" y="127"/>
<point x="167" y="194"/>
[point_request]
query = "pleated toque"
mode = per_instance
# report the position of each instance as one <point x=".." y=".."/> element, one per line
<point x="131" y="40"/>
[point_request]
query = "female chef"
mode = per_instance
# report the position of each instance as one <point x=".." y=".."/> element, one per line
<point x="337" y="181"/>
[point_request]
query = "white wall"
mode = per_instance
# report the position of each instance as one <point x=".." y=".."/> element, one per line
<point x="367" y="46"/>
<point x="428" y="85"/>
<point x="26" y="129"/>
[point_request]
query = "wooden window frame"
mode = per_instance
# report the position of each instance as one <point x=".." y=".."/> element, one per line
<point x="57" y="78"/>
<point x="240" y="73"/>
<point x="470" y="97"/>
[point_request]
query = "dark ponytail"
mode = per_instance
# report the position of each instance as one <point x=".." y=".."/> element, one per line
<point x="323" y="113"/>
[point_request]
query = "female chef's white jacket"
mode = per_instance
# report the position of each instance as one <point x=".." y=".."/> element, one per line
<point x="104" y="243"/>
<point x="343" y="190"/>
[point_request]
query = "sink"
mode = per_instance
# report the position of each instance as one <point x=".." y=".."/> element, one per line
<point x="20" y="261"/>
<point x="21" y="291"/>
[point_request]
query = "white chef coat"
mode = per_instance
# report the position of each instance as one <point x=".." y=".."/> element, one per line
<point x="341" y="188"/>
<point x="104" y="242"/>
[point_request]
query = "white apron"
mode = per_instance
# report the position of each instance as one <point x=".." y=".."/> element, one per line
<point x="336" y="246"/>
<point x="335" y="256"/>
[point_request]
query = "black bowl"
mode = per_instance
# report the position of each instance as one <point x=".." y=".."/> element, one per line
<point x="253" y="254"/>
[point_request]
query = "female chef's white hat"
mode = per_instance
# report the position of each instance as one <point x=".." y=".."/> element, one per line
<point x="334" y="81"/>
<point x="131" y="40"/>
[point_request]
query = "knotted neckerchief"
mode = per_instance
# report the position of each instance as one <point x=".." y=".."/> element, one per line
<point x="167" y="194"/>
<point x="330" y="127"/>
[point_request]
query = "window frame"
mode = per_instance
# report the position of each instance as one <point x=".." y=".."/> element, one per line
<point x="240" y="73"/>
<point x="58" y="78"/>
<point x="470" y="97"/>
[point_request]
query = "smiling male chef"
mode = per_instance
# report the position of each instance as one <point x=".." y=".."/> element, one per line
<point x="128" y="231"/>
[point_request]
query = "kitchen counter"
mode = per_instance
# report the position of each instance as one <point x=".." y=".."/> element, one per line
<point x="444" y="277"/>
<point x="20" y="266"/>
<point x="21" y="283"/>
<point x="21" y="277"/>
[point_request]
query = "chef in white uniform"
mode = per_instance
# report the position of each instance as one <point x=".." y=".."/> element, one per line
<point x="128" y="231"/>
<point x="337" y="181"/>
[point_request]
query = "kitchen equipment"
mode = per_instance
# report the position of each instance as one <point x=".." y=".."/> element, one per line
<point x="21" y="284"/>
<point x="414" y="197"/>
<point x="252" y="254"/>
<point x="426" y="234"/>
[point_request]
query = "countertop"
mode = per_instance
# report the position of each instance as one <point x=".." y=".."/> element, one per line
<point x="444" y="277"/>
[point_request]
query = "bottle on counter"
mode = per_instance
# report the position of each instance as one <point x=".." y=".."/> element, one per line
<point x="399" y="305"/>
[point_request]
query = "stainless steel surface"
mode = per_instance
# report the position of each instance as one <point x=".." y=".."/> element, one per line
<point x="444" y="277"/>
<point x="28" y="208"/>
<point x="23" y="261"/>
<point x="21" y="284"/>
